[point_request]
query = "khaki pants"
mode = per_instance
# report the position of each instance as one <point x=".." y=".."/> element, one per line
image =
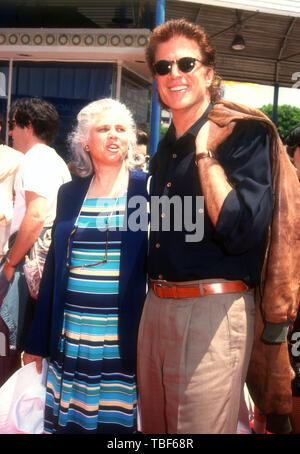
<point x="193" y="356"/>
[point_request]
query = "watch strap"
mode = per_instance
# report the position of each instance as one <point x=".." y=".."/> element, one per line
<point x="202" y="155"/>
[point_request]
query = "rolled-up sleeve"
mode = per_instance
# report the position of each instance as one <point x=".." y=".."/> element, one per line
<point x="247" y="210"/>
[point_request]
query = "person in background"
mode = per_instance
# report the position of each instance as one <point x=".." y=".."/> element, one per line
<point x="292" y="142"/>
<point x="10" y="161"/>
<point x="141" y="157"/>
<point x="94" y="282"/>
<point x="33" y="126"/>
<point x="197" y="331"/>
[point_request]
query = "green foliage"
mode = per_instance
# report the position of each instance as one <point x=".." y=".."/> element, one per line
<point x="163" y="130"/>
<point x="287" y="118"/>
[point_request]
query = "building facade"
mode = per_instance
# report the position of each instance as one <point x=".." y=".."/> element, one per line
<point x="73" y="67"/>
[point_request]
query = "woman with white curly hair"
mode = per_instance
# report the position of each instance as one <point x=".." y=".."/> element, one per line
<point x="93" y="286"/>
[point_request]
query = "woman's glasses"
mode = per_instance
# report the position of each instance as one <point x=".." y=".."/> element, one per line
<point x="185" y="65"/>
<point x="73" y="267"/>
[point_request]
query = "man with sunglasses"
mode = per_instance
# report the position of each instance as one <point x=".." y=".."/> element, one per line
<point x="33" y="126"/>
<point x="197" y="328"/>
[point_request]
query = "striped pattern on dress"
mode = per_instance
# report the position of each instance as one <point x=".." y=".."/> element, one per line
<point x="88" y="391"/>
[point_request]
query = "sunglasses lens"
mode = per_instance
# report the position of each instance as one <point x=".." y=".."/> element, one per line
<point x="162" y="67"/>
<point x="186" y="64"/>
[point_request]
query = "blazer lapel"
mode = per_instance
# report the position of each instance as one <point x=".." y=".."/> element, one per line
<point x="131" y="240"/>
<point x="75" y="196"/>
<point x="72" y="201"/>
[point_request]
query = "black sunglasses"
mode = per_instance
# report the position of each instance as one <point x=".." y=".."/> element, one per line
<point x="184" y="64"/>
<point x="11" y="124"/>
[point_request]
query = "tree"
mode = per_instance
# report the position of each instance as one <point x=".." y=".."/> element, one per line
<point x="288" y="117"/>
<point x="163" y="130"/>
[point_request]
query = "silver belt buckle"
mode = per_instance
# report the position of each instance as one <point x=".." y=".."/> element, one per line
<point x="159" y="283"/>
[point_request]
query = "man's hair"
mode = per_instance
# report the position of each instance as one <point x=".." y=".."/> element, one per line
<point x="181" y="27"/>
<point x="41" y="114"/>
<point x="292" y="140"/>
<point x="142" y="137"/>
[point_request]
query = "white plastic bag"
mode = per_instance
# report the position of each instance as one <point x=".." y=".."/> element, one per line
<point x="22" y="401"/>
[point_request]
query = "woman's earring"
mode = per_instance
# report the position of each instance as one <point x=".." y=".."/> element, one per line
<point x="87" y="148"/>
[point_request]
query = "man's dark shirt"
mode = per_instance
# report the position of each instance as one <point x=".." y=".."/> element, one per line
<point x="233" y="250"/>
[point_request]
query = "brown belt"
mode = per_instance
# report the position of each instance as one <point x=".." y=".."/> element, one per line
<point x="163" y="289"/>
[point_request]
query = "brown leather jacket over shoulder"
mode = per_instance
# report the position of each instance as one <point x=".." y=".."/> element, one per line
<point x="277" y="296"/>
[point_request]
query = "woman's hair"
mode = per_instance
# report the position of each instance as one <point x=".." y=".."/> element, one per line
<point x="292" y="140"/>
<point x="81" y="163"/>
<point x="181" y="27"/>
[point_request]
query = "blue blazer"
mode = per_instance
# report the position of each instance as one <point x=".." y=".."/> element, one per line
<point x="45" y="331"/>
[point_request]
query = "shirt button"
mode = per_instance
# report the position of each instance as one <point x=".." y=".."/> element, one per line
<point x="174" y="155"/>
<point x="160" y="276"/>
<point x="157" y="245"/>
<point x="169" y="184"/>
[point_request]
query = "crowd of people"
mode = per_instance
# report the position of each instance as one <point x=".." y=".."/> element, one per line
<point x="153" y="329"/>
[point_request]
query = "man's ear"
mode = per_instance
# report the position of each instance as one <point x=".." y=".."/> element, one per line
<point x="209" y="76"/>
<point x="30" y="127"/>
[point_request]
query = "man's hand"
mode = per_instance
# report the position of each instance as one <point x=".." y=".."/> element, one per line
<point x="212" y="177"/>
<point x="9" y="272"/>
<point x="211" y="136"/>
<point x="27" y="358"/>
<point x="31" y="226"/>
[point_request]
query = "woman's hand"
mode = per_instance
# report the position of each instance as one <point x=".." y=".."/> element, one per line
<point x="27" y="358"/>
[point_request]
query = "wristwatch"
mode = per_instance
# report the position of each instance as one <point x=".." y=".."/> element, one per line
<point x="203" y="154"/>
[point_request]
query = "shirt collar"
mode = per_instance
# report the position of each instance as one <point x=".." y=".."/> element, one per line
<point x="194" y="129"/>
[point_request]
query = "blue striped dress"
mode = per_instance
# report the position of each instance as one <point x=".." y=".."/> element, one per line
<point x="88" y="391"/>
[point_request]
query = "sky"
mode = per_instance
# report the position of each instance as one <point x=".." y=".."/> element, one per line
<point x="254" y="95"/>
